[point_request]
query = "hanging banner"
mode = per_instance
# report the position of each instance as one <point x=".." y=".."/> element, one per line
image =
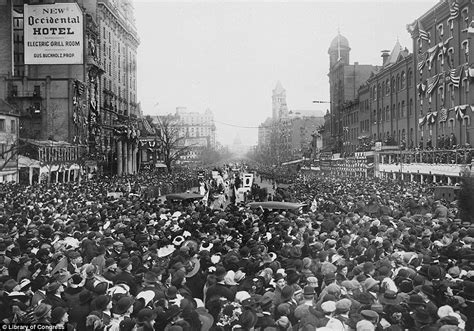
<point x="53" y="34"/>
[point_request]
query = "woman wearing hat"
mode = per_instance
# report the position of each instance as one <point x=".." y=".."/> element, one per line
<point x="42" y="314"/>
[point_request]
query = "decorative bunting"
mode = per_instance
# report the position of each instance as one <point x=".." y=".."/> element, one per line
<point x="421" y="59"/>
<point x="422" y="33"/>
<point x="443" y="115"/>
<point x="431" y="117"/>
<point x="431" y="55"/>
<point x="453" y="10"/>
<point x="421" y="87"/>
<point x="461" y="111"/>
<point x="455" y="76"/>
<point x="421" y="121"/>
<point x="432" y="82"/>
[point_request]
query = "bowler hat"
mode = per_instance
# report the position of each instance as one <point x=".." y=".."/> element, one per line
<point x="124" y="304"/>
<point x="85" y="297"/>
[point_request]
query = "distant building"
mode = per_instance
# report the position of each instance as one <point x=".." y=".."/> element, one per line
<point x="197" y="131"/>
<point x="8" y="143"/>
<point x="279" y="106"/>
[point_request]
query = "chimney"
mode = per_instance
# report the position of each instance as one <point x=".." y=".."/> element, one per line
<point x="385" y="56"/>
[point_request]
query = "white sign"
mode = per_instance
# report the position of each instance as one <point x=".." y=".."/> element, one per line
<point x="248" y="180"/>
<point x="54" y="34"/>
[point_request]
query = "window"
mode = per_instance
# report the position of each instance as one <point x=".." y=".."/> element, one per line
<point x="2" y="125"/>
<point x="441" y="94"/>
<point x="403" y="80"/>
<point x="37" y="91"/>
<point x="440" y="28"/>
<point x="387" y="86"/>
<point x="465" y="16"/>
<point x="451" y="56"/>
<point x="13" y="126"/>
<point x="403" y="114"/>
<point x="465" y="46"/>
<point x="3" y="149"/>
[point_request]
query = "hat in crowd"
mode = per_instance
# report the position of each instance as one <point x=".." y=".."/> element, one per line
<point x="343" y="305"/>
<point x="9" y="285"/>
<point x="328" y="306"/>
<point x="124" y="263"/>
<point x="109" y="262"/>
<point x="287" y="293"/>
<point x="369" y="314"/>
<point x="101" y="302"/>
<point x="57" y="314"/>
<point x="146" y="315"/>
<point x="171" y="292"/>
<point x="147" y="296"/>
<point x="53" y="287"/>
<point x="390" y="298"/>
<point x="124" y="304"/>
<point x="309" y="291"/>
<point x="41" y="310"/>
<point x="370" y="283"/>
<point x="85" y="297"/>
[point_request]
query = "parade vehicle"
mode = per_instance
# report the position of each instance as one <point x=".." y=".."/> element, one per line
<point x="276" y="205"/>
<point x="187" y="196"/>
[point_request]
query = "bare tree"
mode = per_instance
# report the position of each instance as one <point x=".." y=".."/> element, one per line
<point x="173" y="145"/>
<point x="9" y="154"/>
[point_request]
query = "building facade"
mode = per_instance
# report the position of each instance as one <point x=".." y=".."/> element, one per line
<point x="415" y="110"/>
<point x="90" y="102"/>
<point x="9" y="119"/>
<point x="345" y="80"/>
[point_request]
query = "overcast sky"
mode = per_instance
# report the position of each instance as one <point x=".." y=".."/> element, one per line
<point x="228" y="56"/>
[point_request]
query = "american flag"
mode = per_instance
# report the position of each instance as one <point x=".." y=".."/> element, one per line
<point x="422" y="33"/>
<point x="432" y="82"/>
<point x="443" y="115"/>
<point x="421" y="59"/>
<point x="455" y="76"/>
<point x="454" y="10"/>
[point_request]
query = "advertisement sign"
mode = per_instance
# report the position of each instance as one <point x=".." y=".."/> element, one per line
<point x="53" y="34"/>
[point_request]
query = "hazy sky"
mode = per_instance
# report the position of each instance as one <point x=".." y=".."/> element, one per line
<point x="228" y="56"/>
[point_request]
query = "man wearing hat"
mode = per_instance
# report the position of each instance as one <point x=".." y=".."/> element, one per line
<point x="308" y="301"/>
<point x="75" y="285"/>
<point x="146" y="319"/>
<point x="110" y="269"/>
<point x="219" y="289"/>
<point x="125" y="277"/>
<point x="81" y="311"/>
<point x="343" y="306"/>
<point x="53" y="295"/>
<point x="102" y="308"/>
<point x="75" y="262"/>
<point x="122" y="311"/>
<point x="265" y="318"/>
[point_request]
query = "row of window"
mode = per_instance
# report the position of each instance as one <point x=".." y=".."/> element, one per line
<point x="396" y="84"/>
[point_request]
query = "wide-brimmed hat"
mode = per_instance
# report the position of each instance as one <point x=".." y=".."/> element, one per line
<point x="41" y="310"/>
<point x="415" y="300"/>
<point x="193" y="267"/>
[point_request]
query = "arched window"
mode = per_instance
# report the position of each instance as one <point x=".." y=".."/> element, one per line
<point x="410" y="108"/>
<point x="403" y="80"/>
<point x="383" y="88"/>
<point x="409" y="78"/>
<point x="398" y="83"/>
<point x="387" y="86"/>
<point x="392" y="85"/>
<point x="398" y="111"/>
<point x="403" y="114"/>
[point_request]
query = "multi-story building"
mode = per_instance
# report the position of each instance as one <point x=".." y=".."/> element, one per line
<point x="390" y="100"/>
<point x="279" y="106"/>
<point x="8" y="143"/>
<point x="264" y="133"/>
<point x="345" y="80"/>
<point x="195" y="131"/>
<point x="415" y="110"/>
<point x="82" y="91"/>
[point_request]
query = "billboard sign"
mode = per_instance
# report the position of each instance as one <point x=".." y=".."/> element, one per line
<point x="54" y="34"/>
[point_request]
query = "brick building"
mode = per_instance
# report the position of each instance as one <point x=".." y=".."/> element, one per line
<point x="345" y="80"/>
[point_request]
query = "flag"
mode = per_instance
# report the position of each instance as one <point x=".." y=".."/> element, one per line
<point x="443" y="115"/>
<point x="431" y="117"/>
<point x="461" y="111"/>
<point x="421" y="121"/>
<point x="453" y="10"/>
<point x="432" y="82"/>
<point x="455" y="76"/>
<point x="421" y="87"/>
<point x="423" y="35"/>
<point x="346" y="129"/>
<point x="431" y="55"/>
<point x="421" y="59"/>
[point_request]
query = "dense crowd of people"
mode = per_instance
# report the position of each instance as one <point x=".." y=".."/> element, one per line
<point x="363" y="254"/>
